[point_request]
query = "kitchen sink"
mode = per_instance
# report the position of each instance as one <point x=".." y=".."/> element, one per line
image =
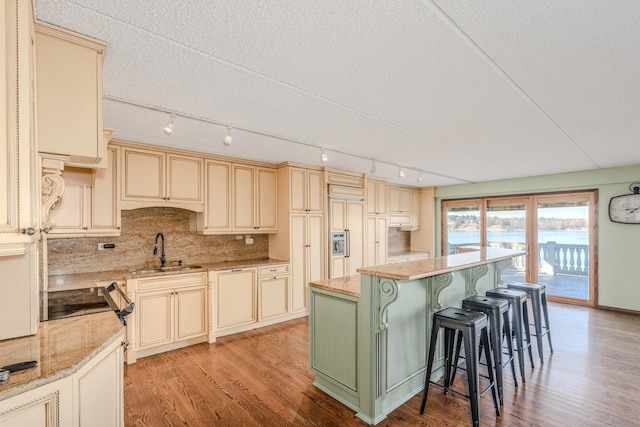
<point x="165" y="269"/>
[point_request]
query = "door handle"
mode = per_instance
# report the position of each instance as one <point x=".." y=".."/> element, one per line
<point x="348" y="237"/>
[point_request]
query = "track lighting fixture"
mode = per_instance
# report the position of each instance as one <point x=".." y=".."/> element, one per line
<point x="228" y="138"/>
<point x="400" y="172"/>
<point x="168" y="129"/>
<point x="420" y="177"/>
<point x="323" y="156"/>
<point x="373" y="166"/>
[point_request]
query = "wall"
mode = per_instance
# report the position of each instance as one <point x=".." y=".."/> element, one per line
<point x="134" y="247"/>
<point x="618" y="260"/>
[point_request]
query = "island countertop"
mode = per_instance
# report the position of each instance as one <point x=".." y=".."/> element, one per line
<point x="439" y="265"/>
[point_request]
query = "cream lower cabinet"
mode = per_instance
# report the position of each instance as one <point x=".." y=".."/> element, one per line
<point x="98" y="389"/>
<point x="236" y="298"/>
<point x="170" y="312"/>
<point x="273" y="291"/>
<point x="93" y="396"/>
<point x="375" y="252"/>
<point x="249" y="298"/>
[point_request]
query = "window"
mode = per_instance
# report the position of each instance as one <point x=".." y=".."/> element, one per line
<point x="556" y="230"/>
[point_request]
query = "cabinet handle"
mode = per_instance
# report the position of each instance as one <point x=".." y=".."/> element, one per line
<point x="274" y="269"/>
<point x="30" y="231"/>
<point x="235" y="270"/>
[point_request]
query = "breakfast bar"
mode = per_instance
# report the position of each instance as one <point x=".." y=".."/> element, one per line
<point x="369" y="334"/>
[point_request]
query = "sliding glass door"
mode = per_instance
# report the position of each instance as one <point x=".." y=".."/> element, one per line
<point x="557" y="231"/>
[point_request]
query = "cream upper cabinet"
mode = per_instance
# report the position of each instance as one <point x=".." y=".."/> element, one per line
<point x="399" y="200"/>
<point x="306" y="193"/>
<point x="68" y="63"/>
<point x="17" y="142"/>
<point x="404" y="207"/>
<point x="157" y="178"/>
<point x="89" y="205"/>
<point x="376" y="197"/>
<point x="255" y="191"/>
<point x="216" y="217"/>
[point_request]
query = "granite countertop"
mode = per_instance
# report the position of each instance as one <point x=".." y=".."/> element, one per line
<point x="349" y="285"/>
<point x="433" y="266"/>
<point x="60" y="347"/>
<point x="63" y="282"/>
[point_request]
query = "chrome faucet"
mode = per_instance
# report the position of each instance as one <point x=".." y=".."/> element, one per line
<point x="163" y="260"/>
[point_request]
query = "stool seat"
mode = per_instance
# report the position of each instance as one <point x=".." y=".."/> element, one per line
<point x="538" y="296"/>
<point x="471" y="326"/>
<point x="520" y="315"/>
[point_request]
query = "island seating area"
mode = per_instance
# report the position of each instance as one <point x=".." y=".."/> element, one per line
<point x="368" y="349"/>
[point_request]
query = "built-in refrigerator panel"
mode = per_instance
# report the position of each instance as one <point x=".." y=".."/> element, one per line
<point x="346" y="231"/>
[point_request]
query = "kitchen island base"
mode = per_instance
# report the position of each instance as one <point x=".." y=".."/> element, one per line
<point x="369" y="348"/>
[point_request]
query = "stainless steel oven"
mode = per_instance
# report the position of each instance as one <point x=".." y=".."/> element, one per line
<point x="78" y="302"/>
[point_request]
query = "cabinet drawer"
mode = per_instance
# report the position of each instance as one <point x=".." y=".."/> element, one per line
<point x="167" y="282"/>
<point x="274" y="270"/>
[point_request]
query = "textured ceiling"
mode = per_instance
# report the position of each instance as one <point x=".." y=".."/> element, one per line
<point x="462" y="91"/>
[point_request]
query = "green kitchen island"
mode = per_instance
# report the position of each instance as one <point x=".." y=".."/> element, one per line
<point x="369" y="333"/>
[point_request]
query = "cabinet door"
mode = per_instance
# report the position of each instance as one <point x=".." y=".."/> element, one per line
<point x="218" y="200"/>
<point x="316" y="253"/>
<point x="381" y="241"/>
<point x="154" y="314"/>
<point x="274" y="297"/>
<point x="105" y="206"/>
<point x="405" y="200"/>
<point x="355" y="225"/>
<point x="69" y="64"/>
<point x="74" y="207"/>
<point x="47" y="406"/>
<point x="376" y="197"/>
<point x="298" y="258"/>
<point x="371" y="242"/>
<point x="298" y="190"/>
<point x="243" y="197"/>
<point x="17" y="142"/>
<point x="98" y="398"/>
<point x="191" y="312"/>
<point x="143" y="175"/>
<point x="266" y="203"/>
<point x="185" y="179"/>
<point x="415" y="209"/>
<point x="236" y="298"/>
<point x="315" y="195"/>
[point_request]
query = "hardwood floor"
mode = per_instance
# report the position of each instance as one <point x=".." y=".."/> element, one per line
<point x="261" y="378"/>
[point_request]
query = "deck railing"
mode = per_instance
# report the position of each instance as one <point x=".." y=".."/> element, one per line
<point x="553" y="258"/>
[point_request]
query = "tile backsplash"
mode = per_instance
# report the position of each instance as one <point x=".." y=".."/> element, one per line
<point x="134" y="247"/>
<point x="398" y="241"/>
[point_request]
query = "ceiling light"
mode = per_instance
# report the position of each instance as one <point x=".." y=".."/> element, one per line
<point x="168" y="129"/>
<point x="228" y="138"/>
<point x="373" y="166"/>
<point x="400" y="172"/>
<point x="323" y="156"/>
<point x="420" y="177"/>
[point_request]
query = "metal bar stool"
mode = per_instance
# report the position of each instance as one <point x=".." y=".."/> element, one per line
<point x="538" y="296"/>
<point x="497" y="311"/>
<point x="519" y="312"/>
<point x="473" y="327"/>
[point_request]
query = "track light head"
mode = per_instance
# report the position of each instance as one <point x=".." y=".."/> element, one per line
<point x="373" y="166"/>
<point x="420" y="177"/>
<point x="400" y="172"/>
<point x="168" y="128"/>
<point x="323" y="156"/>
<point x="228" y="138"/>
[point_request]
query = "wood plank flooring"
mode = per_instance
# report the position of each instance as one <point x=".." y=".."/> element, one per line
<point x="261" y="378"/>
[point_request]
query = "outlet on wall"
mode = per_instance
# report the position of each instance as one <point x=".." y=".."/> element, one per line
<point x="103" y="246"/>
<point x="249" y="240"/>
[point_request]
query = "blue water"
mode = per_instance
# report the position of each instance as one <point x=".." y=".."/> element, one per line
<point x="570" y="237"/>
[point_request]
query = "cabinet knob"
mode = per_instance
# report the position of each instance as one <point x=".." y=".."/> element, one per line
<point x="30" y="231"/>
